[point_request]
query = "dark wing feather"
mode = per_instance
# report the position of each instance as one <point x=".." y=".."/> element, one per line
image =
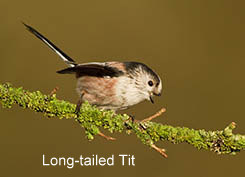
<point x="92" y="70"/>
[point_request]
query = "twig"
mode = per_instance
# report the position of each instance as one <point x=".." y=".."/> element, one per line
<point x="155" y="115"/>
<point x="54" y="91"/>
<point x="106" y="137"/>
<point x="161" y="151"/>
<point x="92" y="120"/>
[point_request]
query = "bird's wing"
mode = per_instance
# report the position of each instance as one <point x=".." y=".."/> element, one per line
<point x="93" y="69"/>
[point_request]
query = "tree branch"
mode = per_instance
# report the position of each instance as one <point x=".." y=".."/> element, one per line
<point x="91" y="118"/>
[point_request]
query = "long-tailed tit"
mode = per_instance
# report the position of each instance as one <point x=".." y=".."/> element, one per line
<point x="109" y="85"/>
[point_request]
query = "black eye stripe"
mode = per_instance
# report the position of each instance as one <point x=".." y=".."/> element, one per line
<point x="150" y="83"/>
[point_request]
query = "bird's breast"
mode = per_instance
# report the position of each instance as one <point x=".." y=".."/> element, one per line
<point x="98" y="91"/>
<point x="109" y="93"/>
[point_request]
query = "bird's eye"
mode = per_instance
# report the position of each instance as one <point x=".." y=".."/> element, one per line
<point x="157" y="84"/>
<point x="150" y="83"/>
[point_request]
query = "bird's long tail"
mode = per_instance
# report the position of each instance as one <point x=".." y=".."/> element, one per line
<point x="68" y="60"/>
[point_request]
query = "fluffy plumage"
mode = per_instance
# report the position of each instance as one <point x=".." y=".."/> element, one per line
<point x="109" y="85"/>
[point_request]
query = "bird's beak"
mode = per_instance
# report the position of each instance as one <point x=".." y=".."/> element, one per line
<point x="157" y="94"/>
<point x="152" y="94"/>
<point x="152" y="101"/>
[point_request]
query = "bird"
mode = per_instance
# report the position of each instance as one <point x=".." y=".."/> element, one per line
<point x="110" y="85"/>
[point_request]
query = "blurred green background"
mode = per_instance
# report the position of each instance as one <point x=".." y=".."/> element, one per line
<point x="197" y="47"/>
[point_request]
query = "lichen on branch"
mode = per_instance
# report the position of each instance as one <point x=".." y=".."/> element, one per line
<point x="149" y="132"/>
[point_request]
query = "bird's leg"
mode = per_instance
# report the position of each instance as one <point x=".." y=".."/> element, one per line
<point x="132" y="118"/>
<point x="79" y="103"/>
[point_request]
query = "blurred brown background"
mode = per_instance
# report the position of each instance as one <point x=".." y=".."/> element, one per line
<point x="197" y="47"/>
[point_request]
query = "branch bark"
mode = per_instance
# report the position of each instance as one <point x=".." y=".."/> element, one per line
<point x="92" y="119"/>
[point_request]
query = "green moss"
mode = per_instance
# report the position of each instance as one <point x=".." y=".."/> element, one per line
<point x="93" y="119"/>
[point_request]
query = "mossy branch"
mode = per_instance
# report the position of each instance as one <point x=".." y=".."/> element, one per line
<point x="92" y="119"/>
